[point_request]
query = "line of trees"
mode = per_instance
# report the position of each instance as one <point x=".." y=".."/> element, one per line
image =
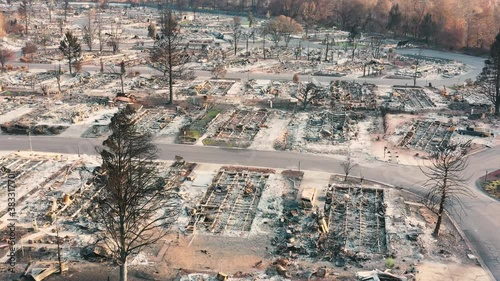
<point x="489" y="79"/>
<point x="449" y="23"/>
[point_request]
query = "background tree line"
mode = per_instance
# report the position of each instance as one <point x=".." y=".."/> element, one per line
<point x="471" y="24"/>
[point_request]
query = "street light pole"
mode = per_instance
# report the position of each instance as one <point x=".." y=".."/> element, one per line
<point x="31" y="145"/>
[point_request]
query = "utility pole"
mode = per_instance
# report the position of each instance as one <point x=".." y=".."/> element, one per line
<point x="415" y="76"/>
<point x="264" y="45"/>
<point x="58" y="249"/>
<point x="308" y="52"/>
<point x="416" y="69"/>
<point x="327" y="42"/>
<point x="31" y="144"/>
<point x="247" y="35"/>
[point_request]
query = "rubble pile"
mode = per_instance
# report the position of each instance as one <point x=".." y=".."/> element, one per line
<point x="353" y="95"/>
<point x="354" y="223"/>
<point x="427" y="136"/>
<point x="153" y="120"/>
<point x="8" y="104"/>
<point x="429" y="65"/>
<point x="50" y="118"/>
<point x="209" y="88"/>
<point x="177" y="173"/>
<point x="99" y="80"/>
<point x="330" y="127"/>
<point x="230" y="202"/>
<point x="409" y="99"/>
<point x="239" y="130"/>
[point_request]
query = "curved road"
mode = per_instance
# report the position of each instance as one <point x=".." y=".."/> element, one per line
<point x="475" y="65"/>
<point x="480" y="222"/>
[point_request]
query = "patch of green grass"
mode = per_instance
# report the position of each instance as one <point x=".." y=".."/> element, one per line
<point x="200" y="125"/>
<point x="389" y="262"/>
<point x="193" y="134"/>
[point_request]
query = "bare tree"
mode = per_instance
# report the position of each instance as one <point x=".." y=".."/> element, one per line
<point x="71" y="49"/>
<point x="44" y="39"/>
<point x="122" y="73"/>
<point x="89" y="31"/>
<point x="29" y="49"/>
<point x="45" y="89"/>
<point x="115" y="36"/>
<point x="307" y="94"/>
<point x="102" y="38"/>
<point x="353" y="39"/>
<point x="236" y="31"/>
<point x="309" y="14"/>
<point x="347" y="166"/>
<point x="219" y="71"/>
<point x="134" y="209"/>
<point x="273" y="29"/>
<point x="50" y="7"/>
<point x="282" y="27"/>
<point x="264" y="32"/>
<point x="152" y="30"/>
<point x="60" y="24"/>
<point x="66" y="8"/>
<point x="445" y="180"/>
<point x="25" y="13"/>
<point x="289" y="27"/>
<point x="168" y="52"/>
<point x="376" y="45"/>
<point x="58" y="77"/>
<point x="6" y="55"/>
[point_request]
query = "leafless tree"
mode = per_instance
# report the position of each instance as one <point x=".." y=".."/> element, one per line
<point x="134" y="209"/>
<point x="43" y="39"/>
<point x="60" y="24"/>
<point x="375" y="45"/>
<point x="115" y="36"/>
<point x="347" y="166"/>
<point x="50" y="7"/>
<point x="273" y="29"/>
<point x="289" y="27"/>
<point x="123" y="71"/>
<point x="445" y="180"/>
<point x="152" y="30"/>
<point x="25" y="10"/>
<point x="282" y="27"/>
<point x="45" y="89"/>
<point x="307" y="94"/>
<point x="168" y="53"/>
<point x="66" y="8"/>
<point x="219" y="71"/>
<point x="354" y="35"/>
<point x="236" y="31"/>
<point x="6" y="55"/>
<point x="102" y="38"/>
<point x="89" y="30"/>
<point x="58" y="78"/>
<point x="29" y="49"/>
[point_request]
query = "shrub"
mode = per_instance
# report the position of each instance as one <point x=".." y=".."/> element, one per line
<point x="389" y="262"/>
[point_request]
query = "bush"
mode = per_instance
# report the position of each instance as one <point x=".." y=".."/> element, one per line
<point x="389" y="262"/>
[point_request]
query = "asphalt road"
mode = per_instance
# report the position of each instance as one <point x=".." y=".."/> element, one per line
<point x="480" y="220"/>
<point x="475" y="65"/>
